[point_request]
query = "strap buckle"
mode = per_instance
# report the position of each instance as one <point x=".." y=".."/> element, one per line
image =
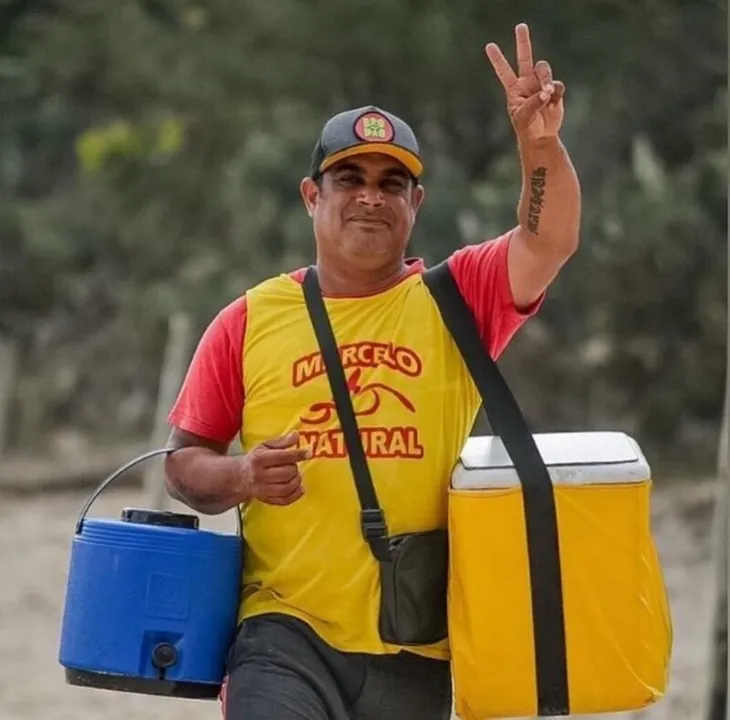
<point x="375" y="532"/>
<point x="373" y="524"/>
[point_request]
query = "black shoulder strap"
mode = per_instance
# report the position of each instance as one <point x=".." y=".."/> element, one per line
<point x="372" y="518"/>
<point x="507" y="421"/>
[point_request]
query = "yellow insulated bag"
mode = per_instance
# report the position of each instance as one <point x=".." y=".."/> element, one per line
<point x="615" y="647"/>
<point x="556" y="603"/>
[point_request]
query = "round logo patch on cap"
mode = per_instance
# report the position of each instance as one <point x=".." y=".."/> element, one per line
<point x="374" y="127"/>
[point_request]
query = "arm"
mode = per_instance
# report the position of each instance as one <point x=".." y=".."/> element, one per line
<point x="481" y="273"/>
<point x="206" y="417"/>
<point x="549" y="219"/>
<point x="202" y="475"/>
<point x="550" y="202"/>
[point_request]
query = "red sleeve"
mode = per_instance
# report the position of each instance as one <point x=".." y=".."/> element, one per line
<point x="210" y="401"/>
<point x="482" y="276"/>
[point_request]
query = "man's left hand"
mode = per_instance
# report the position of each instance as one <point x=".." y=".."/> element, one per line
<point x="534" y="99"/>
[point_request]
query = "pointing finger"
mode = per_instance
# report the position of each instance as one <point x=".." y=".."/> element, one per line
<point x="502" y="68"/>
<point x="524" y="50"/>
<point x="286" y="456"/>
<point x="284" y="441"/>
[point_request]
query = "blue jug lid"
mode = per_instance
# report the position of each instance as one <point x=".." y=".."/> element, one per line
<point x="160" y="517"/>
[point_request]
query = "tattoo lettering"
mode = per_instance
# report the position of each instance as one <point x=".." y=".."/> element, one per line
<point x="537" y="196"/>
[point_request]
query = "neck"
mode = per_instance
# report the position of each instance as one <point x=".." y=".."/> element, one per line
<point x="351" y="282"/>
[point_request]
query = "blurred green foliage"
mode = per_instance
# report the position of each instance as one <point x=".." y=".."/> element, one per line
<point x="150" y="155"/>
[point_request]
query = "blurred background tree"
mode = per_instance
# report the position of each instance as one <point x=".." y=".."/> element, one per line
<point x="150" y="155"/>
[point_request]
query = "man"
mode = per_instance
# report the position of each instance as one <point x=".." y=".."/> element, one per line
<point x="308" y="646"/>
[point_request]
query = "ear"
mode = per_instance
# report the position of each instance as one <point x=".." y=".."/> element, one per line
<point x="417" y="196"/>
<point x="310" y="194"/>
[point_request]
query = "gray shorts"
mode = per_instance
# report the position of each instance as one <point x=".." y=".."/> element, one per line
<point x="279" y="669"/>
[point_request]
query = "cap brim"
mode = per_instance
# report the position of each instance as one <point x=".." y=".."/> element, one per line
<point x="405" y="157"/>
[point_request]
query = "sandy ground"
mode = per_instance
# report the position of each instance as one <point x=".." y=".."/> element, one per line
<point x="35" y="533"/>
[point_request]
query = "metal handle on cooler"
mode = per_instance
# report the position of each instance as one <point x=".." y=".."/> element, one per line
<point x="120" y="471"/>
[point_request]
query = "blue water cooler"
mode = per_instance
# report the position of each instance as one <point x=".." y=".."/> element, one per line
<point x="151" y="602"/>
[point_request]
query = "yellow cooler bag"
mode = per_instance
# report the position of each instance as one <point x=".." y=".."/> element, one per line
<point x="585" y="618"/>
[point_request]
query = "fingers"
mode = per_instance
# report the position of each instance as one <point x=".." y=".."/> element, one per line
<point x="269" y="458"/>
<point x="293" y="496"/>
<point x="278" y="485"/>
<point x="275" y="478"/>
<point x="284" y="441"/>
<point x="505" y="73"/>
<point x="280" y="475"/>
<point x="283" y="490"/>
<point x="558" y="92"/>
<point x="529" y="108"/>
<point x="555" y="88"/>
<point x="545" y="75"/>
<point x="529" y="73"/>
<point x="524" y="50"/>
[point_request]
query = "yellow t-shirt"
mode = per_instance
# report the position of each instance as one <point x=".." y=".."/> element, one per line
<point x="415" y="405"/>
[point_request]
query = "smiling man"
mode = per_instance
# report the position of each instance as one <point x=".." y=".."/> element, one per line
<point x="309" y="645"/>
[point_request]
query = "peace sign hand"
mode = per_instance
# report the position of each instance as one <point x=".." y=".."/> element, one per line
<point x="534" y="99"/>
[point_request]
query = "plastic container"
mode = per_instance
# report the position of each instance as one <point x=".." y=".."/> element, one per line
<point x="617" y="626"/>
<point x="151" y="602"/>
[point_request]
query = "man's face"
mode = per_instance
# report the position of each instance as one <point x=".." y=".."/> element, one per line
<point x="363" y="209"/>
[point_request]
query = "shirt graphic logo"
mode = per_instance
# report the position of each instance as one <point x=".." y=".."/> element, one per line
<point x="370" y="400"/>
<point x="323" y="412"/>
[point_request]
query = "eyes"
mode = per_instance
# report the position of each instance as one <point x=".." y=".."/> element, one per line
<point x="390" y="184"/>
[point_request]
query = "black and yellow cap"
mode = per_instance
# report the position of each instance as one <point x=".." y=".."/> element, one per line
<point x="366" y="130"/>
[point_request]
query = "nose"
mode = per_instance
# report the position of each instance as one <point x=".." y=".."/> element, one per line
<point x="371" y="196"/>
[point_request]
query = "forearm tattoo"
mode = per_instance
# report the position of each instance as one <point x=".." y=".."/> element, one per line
<point x="537" y="198"/>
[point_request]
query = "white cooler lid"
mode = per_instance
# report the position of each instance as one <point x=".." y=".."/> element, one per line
<point x="572" y="458"/>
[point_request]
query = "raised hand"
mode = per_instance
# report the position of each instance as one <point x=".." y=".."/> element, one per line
<point x="534" y="99"/>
